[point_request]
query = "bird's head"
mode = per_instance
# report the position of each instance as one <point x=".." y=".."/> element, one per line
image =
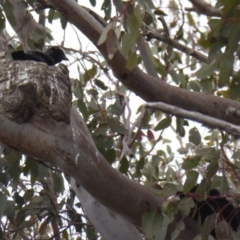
<point x="57" y="54"/>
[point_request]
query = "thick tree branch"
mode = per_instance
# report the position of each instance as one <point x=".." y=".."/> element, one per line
<point x="202" y="7"/>
<point x="147" y="87"/>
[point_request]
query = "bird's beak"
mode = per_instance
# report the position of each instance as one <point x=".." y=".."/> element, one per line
<point x="64" y="58"/>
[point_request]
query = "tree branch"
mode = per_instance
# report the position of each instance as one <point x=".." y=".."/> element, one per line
<point x="147" y="87"/>
<point x="202" y="7"/>
<point x="163" y="37"/>
<point x="195" y="116"/>
<point x="46" y="136"/>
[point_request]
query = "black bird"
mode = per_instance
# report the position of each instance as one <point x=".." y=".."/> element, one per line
<point x="51" y="57"/>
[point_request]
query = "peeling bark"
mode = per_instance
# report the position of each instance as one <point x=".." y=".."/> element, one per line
<point x="30" y="89"/>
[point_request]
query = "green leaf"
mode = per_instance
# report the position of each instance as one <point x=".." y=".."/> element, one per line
<point x="8" y="10"/>
<point x="28" y="195"/>
<point x="63" y="22"/>
<point x="9" y="210"/>
<point x="152" y="59"/>
<point x="215" y="25"/>
<point x="191" y="162"/>
<point x="221" y="183"/>
<point x="93" y="2"/>
<point x="234" y="37"/>
<point x="3" y="201"/>
<point x="235" y="86"/>
<point x="190" y="182"/>
<point x="133" y="23"/>
<point x="177" y="77"/>
<point x="111" y="43"/>
<point x="152" y="221"/>
<point x="206" y="70"/>
<point x="207" y="85"/>
<point x="194" y="85"/>
<point x="159" y="12"/>
<point x="90" y="73"/>
<point x="206" y="153"/>
<point x="100" y="84"/>
<point x="191" y="19"/>
<point x="169" y="189"/>
<point x="42" y="172"/>
<point x="110" y="156"/>
<point x="51" y="14"/>
<point x="18" y="199"/>
<point x="194" y="136"/>
<point x="209" y="225"/>
<point x="91" y="233"/>
<point x="124" y="165"/>
<point x="212" y="168"/>
<point x="171" y="208"/>
<point x="116" y="126"/>
<point x="65" y="235"/>
<point x="138" y="14"/>
<point x="185" y="205"/>
<point x="77" y="88"/>
<point x="107" y="8"/>
<point x="128" y="41"/>
<point x="139" y="166"/>
<point x="236" y="155"/>
<point x="200" y="191"/>
<point x="83" y="109"/>
<point x="226" y="69"/>
<point x="148" y="3"/>
<point x="164" y="123"/>
<point x="198" y="237"/>
<point x="58" y="182"/>
<point x="4" y="178"/>
<point x="2" y="21"/>
<point x="114" y="109"/>
<point x="180" y="129"/>
<point x="132" y="61"/>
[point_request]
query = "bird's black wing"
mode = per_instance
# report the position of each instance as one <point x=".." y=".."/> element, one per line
<point x="38" y="57"/>
<point x="18" y="55"/>
<point x="51" y="57"/>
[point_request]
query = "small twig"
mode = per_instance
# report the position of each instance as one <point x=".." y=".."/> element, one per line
<point x="165" y="27"/>
<point x="137" y="124"/>
<point x="150" y="34"/>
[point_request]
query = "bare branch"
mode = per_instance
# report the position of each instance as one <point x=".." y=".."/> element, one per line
<point x="151" y="34"/>
<point x="199" y="117"/>
<point x="165" y="27"/>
